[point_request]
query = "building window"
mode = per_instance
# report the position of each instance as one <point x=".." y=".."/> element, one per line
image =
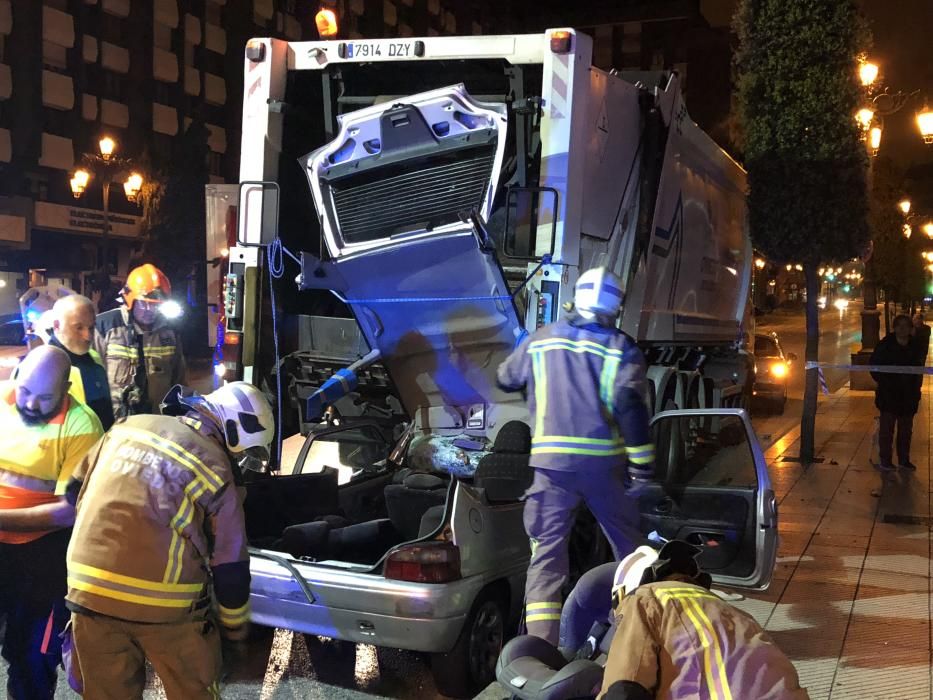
<point x="189" y="54"/>
<point x="216" y="163"/>
<point x="213" y="63"/>
<point x="54" y="57"/>
<point x="165" y="93"/>
<point x="213" y="14"/>
<point x="113" y="86"/>
<point x="58" y="4"/>
<point x="58" y="122"/>
<point x="111" y="29"/>
<point x="162" y="36"/>
<point x="657" y="59"/>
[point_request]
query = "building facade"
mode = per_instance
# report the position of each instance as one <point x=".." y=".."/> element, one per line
<point x="72" y="71"/>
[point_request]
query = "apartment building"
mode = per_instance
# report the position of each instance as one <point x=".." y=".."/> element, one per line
<point x="139" y="71"/>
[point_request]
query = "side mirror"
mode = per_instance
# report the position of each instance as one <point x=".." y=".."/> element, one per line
<point x="530" y="221"/>
<point x="258" y="214"/>
<point x="792" y="357"/>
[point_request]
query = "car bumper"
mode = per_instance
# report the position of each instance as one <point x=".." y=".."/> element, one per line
<point x="769" y="389"/>
<point x="361" y="607"/>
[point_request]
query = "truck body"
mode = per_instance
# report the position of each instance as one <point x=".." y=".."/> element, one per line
<point x="564" y="166"/>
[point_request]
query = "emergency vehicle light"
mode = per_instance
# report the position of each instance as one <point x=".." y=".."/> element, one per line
<point x="561" y="41"/>
<point x="326" y="21"/>
<point x="255" y="51"/>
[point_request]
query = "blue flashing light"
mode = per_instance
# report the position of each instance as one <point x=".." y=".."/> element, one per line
<point x="441" y="128"/>
<point x="32" y="315"/>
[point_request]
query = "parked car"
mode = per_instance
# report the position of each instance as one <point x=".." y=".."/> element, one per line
<point x="435" y="562"/>
<point x="773" y="367"/>
<point x="12" y="343"/>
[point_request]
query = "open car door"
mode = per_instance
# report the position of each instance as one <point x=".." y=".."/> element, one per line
<point x="713" y="490"/>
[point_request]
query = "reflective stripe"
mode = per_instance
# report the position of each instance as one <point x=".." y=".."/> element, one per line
<point x="609" y="442"/>
<point x="557" y="444"/>
<point x="104" y="575"/>
<point x="540" y="346"/>
<point x="540" y="617"/>
<point x="139" y="598"/>
<point x="175" y="451"/>
<point x="544" y="606"/>
<point x="540" y="376"/>
<point x="607" y="383"/>
<point x="565" y="450"/>
<point x="233" y="617"/>
<point x="713" y="664"/>
<point x="642" y="454"/>
<point x="181" y="520"/>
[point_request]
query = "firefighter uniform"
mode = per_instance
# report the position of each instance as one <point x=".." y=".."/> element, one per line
<point x="142" y="365"/>
<point x="586" y="392"/>
<point x="36" y="462"/>
<point x="158" y="520"/>
<point x="679" y="640"/>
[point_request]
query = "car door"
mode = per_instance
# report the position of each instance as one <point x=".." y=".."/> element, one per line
<point x="713" y="490"/>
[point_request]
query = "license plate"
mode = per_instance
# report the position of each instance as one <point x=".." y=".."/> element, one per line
<point x="383" y="49"/>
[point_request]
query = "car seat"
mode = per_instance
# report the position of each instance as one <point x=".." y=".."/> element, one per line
<point x="533" y="669"/>
<point x="407" y="502"/>
<point x="504" y="473"/>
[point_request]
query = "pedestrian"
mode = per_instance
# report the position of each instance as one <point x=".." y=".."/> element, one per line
<point x="921" y="332"/>
<point x="897" y="395"/>
<point x="586" y="386"/>
<point x="159" y="534"/>
<point x="73" y="331"/>
<point x="45" y="435"/>
<point x="142" y="351"/>
<point x="674" y="638"/>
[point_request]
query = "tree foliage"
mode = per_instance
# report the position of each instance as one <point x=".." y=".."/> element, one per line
<point x="798" y="90"/>
<point x="173" y="226"/>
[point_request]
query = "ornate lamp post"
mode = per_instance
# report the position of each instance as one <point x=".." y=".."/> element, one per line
<point x="109" y="168"/>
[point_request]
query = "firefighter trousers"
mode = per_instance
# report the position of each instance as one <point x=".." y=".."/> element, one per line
<point x="549" y="510"/>
<point x="112" y="657"/>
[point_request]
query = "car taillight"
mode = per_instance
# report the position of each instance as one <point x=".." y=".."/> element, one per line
<point x="427" y="562"/>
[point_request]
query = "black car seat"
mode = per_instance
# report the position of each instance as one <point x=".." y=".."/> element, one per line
<point x="533" y="669"/>
<point x="407" y="502"/>
<point x="504" y="473"/>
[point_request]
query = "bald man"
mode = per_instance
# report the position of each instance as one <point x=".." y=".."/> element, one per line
<point x="45" y="434"/>
<point x="73" y="332"/>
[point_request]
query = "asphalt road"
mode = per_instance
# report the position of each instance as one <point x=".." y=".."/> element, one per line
<point x="280" y="665"/>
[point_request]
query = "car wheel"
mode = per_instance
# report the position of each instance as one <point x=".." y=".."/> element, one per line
<point x="471" y="665"/>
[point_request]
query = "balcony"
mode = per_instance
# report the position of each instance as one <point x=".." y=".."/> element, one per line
<point x="57" y="91"/>
<point x="57" y="152"/>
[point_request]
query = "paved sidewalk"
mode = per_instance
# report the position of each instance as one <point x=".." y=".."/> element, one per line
<point x="850" y="602"/>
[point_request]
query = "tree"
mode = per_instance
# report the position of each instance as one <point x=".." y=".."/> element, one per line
<point x="889" y="249"/>
<point x="798" y="91"/>
<point x="173" y="228"/>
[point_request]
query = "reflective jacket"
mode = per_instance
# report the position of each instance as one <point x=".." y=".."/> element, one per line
<point x="158" y="517"/>
<point x="38" y="459"/>
<point x="118" y="340"/>
<point x="679" y="640"/>
<point x="89" y="382"/>
<point x="586" y="393"/>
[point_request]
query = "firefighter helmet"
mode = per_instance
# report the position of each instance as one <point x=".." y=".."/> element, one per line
<point x="247" y="420"/>
<point x="630" y="571"/>
<point x="146" y="283"/>
<point x="598" y="293"/>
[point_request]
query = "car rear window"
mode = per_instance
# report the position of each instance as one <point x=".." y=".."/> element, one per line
<point x="766" y="347"/>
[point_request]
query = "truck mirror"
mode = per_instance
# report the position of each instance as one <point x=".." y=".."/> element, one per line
<point x="259" y="213"/>
<point x="530" y="222"/>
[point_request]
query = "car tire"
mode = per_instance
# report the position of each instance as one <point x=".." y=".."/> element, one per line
<point x="471" y="665"/>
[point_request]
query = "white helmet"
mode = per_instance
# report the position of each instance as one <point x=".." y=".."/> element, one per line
<point x="630" y="572"/>
<point x="598" y="292"/>
<point x="247" y="420"/>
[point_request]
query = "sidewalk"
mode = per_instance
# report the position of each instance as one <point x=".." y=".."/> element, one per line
<point x="850" y="601"/>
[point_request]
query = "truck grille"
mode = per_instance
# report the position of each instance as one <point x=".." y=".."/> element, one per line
<point x="411" y="196"/>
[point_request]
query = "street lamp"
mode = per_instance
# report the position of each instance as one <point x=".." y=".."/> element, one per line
<point x="874" y="139"/>
<point x="864" y="117"/>
<point x="925" y="124"/>
<point x="928" y="229"/>
<point x="904" y="206"/>
<point x="867" y="72"/>
<point x="109" y="168"/>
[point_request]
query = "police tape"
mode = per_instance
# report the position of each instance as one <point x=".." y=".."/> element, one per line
<point x="884" y="369"/>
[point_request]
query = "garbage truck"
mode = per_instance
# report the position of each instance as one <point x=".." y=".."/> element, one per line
<point x="408" y="210"/>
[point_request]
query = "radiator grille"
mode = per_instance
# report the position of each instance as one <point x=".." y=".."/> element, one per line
<point x="411" y="196"/>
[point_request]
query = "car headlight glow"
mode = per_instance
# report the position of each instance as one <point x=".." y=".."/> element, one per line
<point x="779" y="370"/>
<point x="841" y="304"/>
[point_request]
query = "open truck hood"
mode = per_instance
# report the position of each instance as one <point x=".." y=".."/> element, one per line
<point x="393" y="190"/>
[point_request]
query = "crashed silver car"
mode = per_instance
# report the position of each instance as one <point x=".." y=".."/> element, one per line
<point x="433" y="562"/>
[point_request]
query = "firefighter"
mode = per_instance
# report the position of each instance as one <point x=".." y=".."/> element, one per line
<point x="586" y="387"/>
<point x="689" y="642"/>
<point x="45" y="435"/>
<point x="73" y="332"/>
<point x="141" y="350"/>
<point x="159" y="532"/>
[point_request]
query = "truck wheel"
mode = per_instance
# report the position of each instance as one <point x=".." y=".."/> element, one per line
<point x="471" y="665"/>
